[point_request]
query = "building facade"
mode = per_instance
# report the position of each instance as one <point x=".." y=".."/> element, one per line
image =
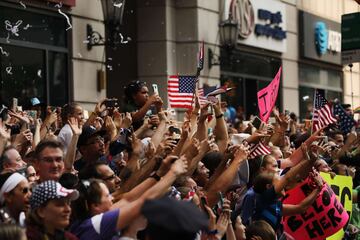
<point x="162" y="39"/>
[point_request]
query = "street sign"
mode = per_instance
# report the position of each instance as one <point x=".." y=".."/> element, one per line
<point x="350" y="43"/>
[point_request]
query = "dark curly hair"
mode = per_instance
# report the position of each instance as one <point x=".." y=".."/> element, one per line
<point x="131" y="89"/>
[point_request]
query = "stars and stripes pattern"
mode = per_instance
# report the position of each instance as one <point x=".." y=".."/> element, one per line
<point x="201" y="97"/>
<point x="180" y="91"/>
<point x="346" y="122"/>
<point x="200" y="65"/>
<point x="258" y="150"/>
<point x="322" y="115"/>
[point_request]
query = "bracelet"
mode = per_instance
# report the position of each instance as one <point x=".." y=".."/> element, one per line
<point x="219" y="116"/>
<point x="155" y="176"/>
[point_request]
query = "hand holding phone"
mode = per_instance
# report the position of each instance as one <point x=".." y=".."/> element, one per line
<point x="256" y="122"/>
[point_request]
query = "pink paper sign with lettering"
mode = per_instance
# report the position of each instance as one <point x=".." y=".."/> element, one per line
<point x="325" y="217"/>
<point x="267" y="97"/>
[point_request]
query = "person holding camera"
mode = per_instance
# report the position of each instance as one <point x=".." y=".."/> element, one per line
<point x="140" y="104"/>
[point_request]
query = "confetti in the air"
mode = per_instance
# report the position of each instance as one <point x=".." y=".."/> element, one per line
<point x="27" y="27"/>
<point x="22" y="4"/>
<point x="7" y="38"/>
<point x="8" y="70"/>
<point x="118" y="5"/>
<point x="59" y="6"/>
<point x="39" y="72"/>
<point x="3" y="52"/>
<point x="79" y="55"/>
<point x="13" y="29"/>
<point x="109" y="67"/>
<point x="124" y="41"/>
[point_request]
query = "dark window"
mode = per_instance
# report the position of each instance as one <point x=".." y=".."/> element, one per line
<point x="313" y="77"/>
<point x="247" y="73"/>
<point x="38" y="56"/>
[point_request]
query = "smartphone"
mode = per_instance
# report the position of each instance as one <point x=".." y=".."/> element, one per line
<point x="307" y="123"/>
<point x="31" y="113"/>
<point x="287" y="112"/>
<point x="14" y="104"/>
<point x="155" y="89"/>
<point x="256" y="122"/>
<point x="110" y="103"/>
<point x="203" y="202"/>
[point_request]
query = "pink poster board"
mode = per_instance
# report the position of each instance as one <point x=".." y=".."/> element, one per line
<point x="325" y="217"/>
<point x="267" y="97"/>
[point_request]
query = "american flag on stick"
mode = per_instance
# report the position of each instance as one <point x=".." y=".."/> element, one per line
<point x="322" y="115"/>
<point x="181" y="91"/>
<point x="258" y="149"/>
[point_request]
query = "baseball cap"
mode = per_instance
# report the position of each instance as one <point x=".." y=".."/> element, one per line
<point x="88" y="132"/>
<point x="50" y="190"/>
<point x="174" y="216"/>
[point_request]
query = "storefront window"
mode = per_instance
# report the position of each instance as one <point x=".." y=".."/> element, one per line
<point x="37" y="60"/>
<point x="312" y="78"/>
<point x="247" y="73"/>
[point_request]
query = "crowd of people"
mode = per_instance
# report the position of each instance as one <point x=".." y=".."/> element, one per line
<point x="137" y="172"/>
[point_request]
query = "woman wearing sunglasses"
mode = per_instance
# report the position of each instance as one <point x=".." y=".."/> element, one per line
<point x="14" y="197"/>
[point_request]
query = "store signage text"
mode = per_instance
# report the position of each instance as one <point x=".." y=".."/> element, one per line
<point x="326" y="39"/>
<point x="271" y="28"/>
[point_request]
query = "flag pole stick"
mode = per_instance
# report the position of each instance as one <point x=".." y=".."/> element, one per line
<point x="312" y="122"/>
<point x="352" y="90"/>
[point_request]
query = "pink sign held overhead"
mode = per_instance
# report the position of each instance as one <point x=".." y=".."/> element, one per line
<point x="325" y="217"/>
<point x="267" y="97"/>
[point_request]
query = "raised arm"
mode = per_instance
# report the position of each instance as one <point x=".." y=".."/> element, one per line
<point x="289" y="209"/>
<point x="130" y="211"/>
<point x="222" y="183"/>
<point x="71" y="152"/>
<point x="221" y="133"/>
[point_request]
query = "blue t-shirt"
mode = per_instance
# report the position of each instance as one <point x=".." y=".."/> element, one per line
<point x="98" y="227"/>
<point x="248" y="206"/>
<point x="269" y="208"/>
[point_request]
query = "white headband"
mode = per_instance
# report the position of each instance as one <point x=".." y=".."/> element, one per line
<point x="10" y="184"/>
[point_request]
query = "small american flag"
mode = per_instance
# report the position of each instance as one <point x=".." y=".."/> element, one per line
<point x="346" y="122"/>
<point x="258" y="149"/>
<point x="180" y="91"/>
<point x="202" y="99"/>
<point x="322" y="112"/>
<point x="201" y="58"/>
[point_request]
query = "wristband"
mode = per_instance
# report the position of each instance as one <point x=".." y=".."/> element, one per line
<point x="219" y="116"/>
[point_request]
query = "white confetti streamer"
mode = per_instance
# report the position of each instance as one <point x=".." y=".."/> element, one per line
<point x="124" y="41"/>
<point x="22" y="4"/>
<point x="118" y="5"/>
<point x="109" y="67"/>
<point x="8" y="70"/>
<point x="13" y="29"/>
<point x="39" y="73"/>
<point x="7" y="38"/>
<point x="3" y="52"/>
<point x="27" y="27"/>
<point x="59" y="6"/>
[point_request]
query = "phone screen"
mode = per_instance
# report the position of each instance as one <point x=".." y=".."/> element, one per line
<point x="155" y="89"/>
<point x="256" y="122"/>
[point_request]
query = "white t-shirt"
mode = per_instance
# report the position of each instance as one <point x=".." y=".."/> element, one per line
<point x="65" y="136"/>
